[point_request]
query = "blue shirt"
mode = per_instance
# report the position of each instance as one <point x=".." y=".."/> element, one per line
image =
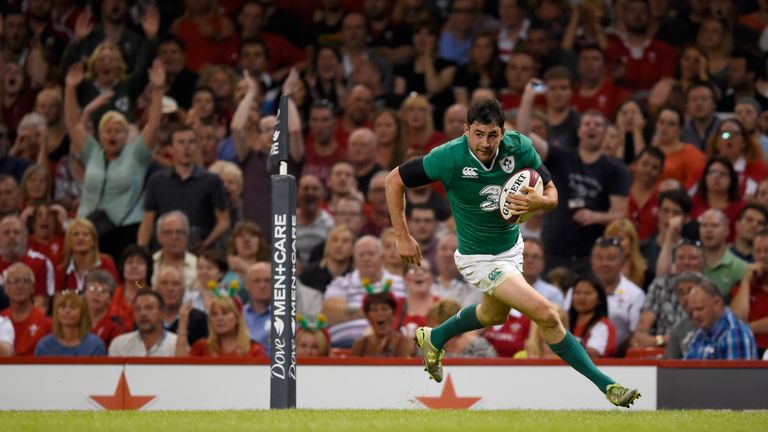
<point x="259" y="327"/>
<point x="91" y="345"/>
<point x="729" y="339"/>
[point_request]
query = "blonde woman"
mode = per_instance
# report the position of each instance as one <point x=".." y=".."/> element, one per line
<point x="232" y="177"/>
<point x="419" y="132"/>
<point x="389" y="133"/>
<point x="228" y="334"/>
<point x="81" y="254"/>
<point x="634" y="262"/>
<point x="71" y="329"/>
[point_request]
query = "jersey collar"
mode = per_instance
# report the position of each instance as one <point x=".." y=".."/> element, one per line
<point x="482" y="165"/>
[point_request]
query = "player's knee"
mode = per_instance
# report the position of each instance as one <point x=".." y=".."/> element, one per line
<point x="546" y="316"/>
<point x="491" y="318"/>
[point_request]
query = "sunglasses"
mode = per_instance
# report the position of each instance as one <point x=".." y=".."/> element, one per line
<point x="608" y="241"/>
<point x="689" y="242"/>
<point x="726" y="135"/>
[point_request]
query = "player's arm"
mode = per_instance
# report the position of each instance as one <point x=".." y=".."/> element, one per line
<point x="409" y="174"/>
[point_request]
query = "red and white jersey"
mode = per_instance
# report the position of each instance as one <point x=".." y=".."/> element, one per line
<point x="41" y="266"/>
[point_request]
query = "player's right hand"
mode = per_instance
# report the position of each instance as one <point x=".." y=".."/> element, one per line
<point x="408" y="249"/>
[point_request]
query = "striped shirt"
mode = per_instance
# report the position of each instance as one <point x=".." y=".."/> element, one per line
<point x="728" y="339"/>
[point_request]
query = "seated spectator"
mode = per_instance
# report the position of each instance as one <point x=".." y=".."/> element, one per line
<point x="215" y="279"/>
<point x="721" y="266"/>
<point x="673" y="220"/>
<point x="520" y="68"/>
<point x="533" y="266"/>
<point x="10" y="196"/>
<point x="170" y="285"/>
<point x="453" y="121"/>
<point x="313" y="222"/>
<point x="150" y="339"/>
<point x="336" y="261"/>
<point x="748" y="113"/>
<point x="232" y="177"/>
<point x="228" y="334"/>
<point x="428" y="196"/>
<point x="632" y="127"/>
<point x="449" y="284"/>
<point x="419" y="132"/>
<point x="7" y="337"/>
<point x="246" y="246"/>
<point x="389" y="135"/>
<point x="173" y="236"/>
<point x="700" y="105"/>
<point x="107" y="323"/>
<point x="312" y="343"/>
<point x="81" y="254"/>
<point x="112" y="196"/>
<point x="136" y="269"/>
<point x="14" y="249"/>
<point x="349" y="212"/>
<point x="211" y="33"/>
<point x="419" y="298"/>
<point x="392" y="261"/>
<point x="509" y="338"/>
<point x="71" y="329"/>
<point x="18" y="99"/>
<point x="588" y="318"/>
<point x="732" y="142"/>
<point x="692" y="67"/>
<point x="596" y="89"/>
<point x="644" y="192"/>
<point x="750" y="297"/>
<point x="344" y="296"/>
<point x="377" y="216"/>
<point x="258" y="311"/>
<point x="719" y="335"/>
<point x="45" y="224"/>
<point x="422" y="224"/>
<point x="29" y="322"/>
<point x="466" y="345"/>
<point x="362" y="152"/>
<point x="718" y="189"/>
<point x="326" y="142"/>
<point x="385" y="341"/>
<point x="634" y="263"/>
<point x="751" y="220"/>
<point x="682" y="161"/>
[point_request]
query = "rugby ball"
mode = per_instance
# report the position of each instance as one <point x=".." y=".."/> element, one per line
<point x="514" y="186"/>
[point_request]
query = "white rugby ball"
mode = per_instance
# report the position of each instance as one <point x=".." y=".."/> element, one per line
<point x="514" y="186"/>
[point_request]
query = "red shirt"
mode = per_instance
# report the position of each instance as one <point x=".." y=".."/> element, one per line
<point x="643" y="67"/>
<point x="200" y="349"/>
<point x="758" y="308"/>
<point x="282" y="53"/>
<point x="202" y="50"/>
<point x="732" y="211"/>
<point x="111" y="326"/>
<point x="420" y="149"/>
<point x="602" y="333"/>
<point x="120" y="306"/>
<point x="29" y="331"/>
<point x="644" y="218"/>
<point x="509" y="338"/>
<point x="67" y="277"/>
<point x="606" y="100"/>
<point x="53" y="250"/>
<point x="42" y="268"/>
<point x="320" y="166"/>
<point x="753" y="172"/>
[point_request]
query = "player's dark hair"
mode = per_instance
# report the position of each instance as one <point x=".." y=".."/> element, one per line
<point x="653" y="152"/>
<point x="678" y="196"/>
<point x="601" y="309"/>
<point x="486" y="112"/>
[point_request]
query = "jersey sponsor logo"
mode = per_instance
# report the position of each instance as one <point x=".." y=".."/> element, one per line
<point x="491" y="192"/>
<point x="508" y="164"/>
<point x="469" y="172"/>
<point x="495" y="273"/>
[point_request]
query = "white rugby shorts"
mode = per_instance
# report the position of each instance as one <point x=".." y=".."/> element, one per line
<point x="487" y="272"/>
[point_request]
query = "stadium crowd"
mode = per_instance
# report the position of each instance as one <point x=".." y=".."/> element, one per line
<point x="135" y="201"/>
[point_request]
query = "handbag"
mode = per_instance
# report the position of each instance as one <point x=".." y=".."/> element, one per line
<point x="101" y="220"/>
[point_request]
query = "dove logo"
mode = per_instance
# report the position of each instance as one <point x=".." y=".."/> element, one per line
<point x="279" y="326"/>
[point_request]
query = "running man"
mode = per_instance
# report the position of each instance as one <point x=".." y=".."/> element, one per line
<point x="490" y="255"/>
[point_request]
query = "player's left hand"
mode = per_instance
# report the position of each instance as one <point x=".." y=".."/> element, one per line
<point x="526" y="202"/>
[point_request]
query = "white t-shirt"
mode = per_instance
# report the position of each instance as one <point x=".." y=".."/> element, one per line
<point x="131" y="345"/>
<point x="7" y="334"/>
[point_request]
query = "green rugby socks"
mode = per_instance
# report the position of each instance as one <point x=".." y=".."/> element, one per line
<point x="570" y="350"/>
<point x="464" y="321"/>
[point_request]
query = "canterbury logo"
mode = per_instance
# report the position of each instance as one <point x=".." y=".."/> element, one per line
<point x="469" y="172"/>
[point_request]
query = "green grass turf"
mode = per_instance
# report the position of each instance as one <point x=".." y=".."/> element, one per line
<point x="386" y="420"/>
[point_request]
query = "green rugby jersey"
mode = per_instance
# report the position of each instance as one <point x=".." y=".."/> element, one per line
<point x="473" y="189"/>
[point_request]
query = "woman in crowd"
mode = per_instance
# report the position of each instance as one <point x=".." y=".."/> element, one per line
<point x="691" y="67"/>
<point x="247" y="245"/>
<point x="71" y="329"/>
<point x="312" y="343"/>
<point x="718" y="188"/>
<point x="222" y="82"/>
<point x="326" y="82"/>
<point x="228" y="333"/>
<point x="467" y="345"/>
<point x="114" y="175"/>
<point x="634" y="262"/>
<point x="484" y="69"/>
<point x="419" y="133"/>
<point x="46" y="233"/>
<point x="81" y="253"/>
<point x="588" y="317"/>
<point x="214" y="278"/>
<point x="419" y="298"/>
<point x="682" y="161"/>
<point x="389" y="135"/>
<point x="732" y="142"/>
<point x="36" y="186"/>
<point x="631" y="126"/>
<point x="384" y="341"/>
<point x="136" y="267"/>
<point x="715" y="39"/>
<point x="232" y="177"/>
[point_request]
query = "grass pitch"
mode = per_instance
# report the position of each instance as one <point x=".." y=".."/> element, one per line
<point x="386" y="420"/>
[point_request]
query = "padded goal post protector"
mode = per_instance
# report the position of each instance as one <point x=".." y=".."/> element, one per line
<point x="279" y="151"/>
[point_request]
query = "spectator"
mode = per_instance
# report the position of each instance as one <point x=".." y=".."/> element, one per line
<point x="358" y="108"/>
<point x="750" y="297"/>
<point x="466" y="345"/>
<point x="312" y="343"/>
<point x="449" y="285"/>
<point x="71" y="329"/>
<point x="419" y="133"/>
<point x="453" y="121"/>
<point x="14" y="249"/>
<point x="533" y="266"/>
<point x="211" y="33"/>
<point x="719" y="189"/>
<point x="232" y="177"/>
<point x="362" y="151"/>
<point x="544" y="45"/>
<point x="228" y="336"/>
<point x="563" y="119"/>
<point x="10" y="195"/>
<point x="744" y="67"/>
<point x="344" y="296"/>
<point x="336" y="260"/>
<point x="671" y="91"/>
<point x="326" y="142"/>
<point x="377" y="218"/>
<point x="593" y="197"/>
<point x="29" y="322"/>
<point x="136" y="270"/>
<point x="176" y="312"/>
<point x="751" y="220"/>
<point x="173" y="235"/>
<point x="326" y="79"/>
<point x="717" y="43"/>
<point x="732" y="142"/>
<point x="514" y="24"/>
<point x="181" y="81"/>
<point x="258" y="311"/>
<point x="379" y="309"/>
<point x="341" y="185"/>
<point x="223" y="83"/>
<point x="150" y="339"/>
<point x="81" y="254"/>
<point x="246" y="246"/>
<point x="111" y="197"/>
<point x="596" y="89"/>
<point x="721" y="266"/>
<point x="10" y="166"/>
<point x="106" y="323"/>
<point x="18" y="98"/>
<point x="682" y="161"/>
<point x="747" y="113"/>
<point x="389" y="38"/>
<point x="588" y="318"/>
<point x="700" y="104"/>
<point x="355" y="48"/>
<point x="15" y="38"/>
<point x="186" y="187"/>
<point x="30" y="138"/>
<point x="719" y="335"/>
<point x="389" y="136"/>
<point x="313" y="221"/>
<point x="761" y="195"/>
<point x="36" y="186"/>
<point x="484" y="69"/>
<point x="675" y="224"/>
<point x="390" y="259"/>
<point x="520" y="69"/>
<point x="585" y="26"/>
<point x="7" y="337"/>
<point x="422" y="224"/>
<point x="419" y="298"/>
<point x="635" y="266"/>
<point x="215" y="279"/>
<point x="456" y="36"/>
<point x="644" y="192"/>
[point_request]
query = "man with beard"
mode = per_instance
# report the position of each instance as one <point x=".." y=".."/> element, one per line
<point x="150" y="339"/>
<point x="313" y="221"/>
<point x="13" y="249"/>
<point x="639" y="60"/>
<point x="593" y="189"/>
